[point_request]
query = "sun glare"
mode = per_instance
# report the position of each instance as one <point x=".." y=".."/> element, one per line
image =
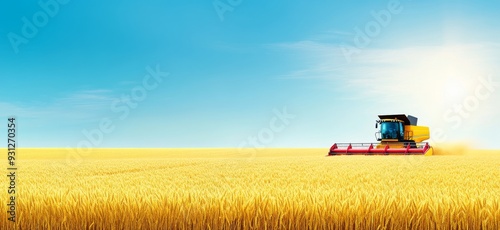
<point x="451" y="74"/>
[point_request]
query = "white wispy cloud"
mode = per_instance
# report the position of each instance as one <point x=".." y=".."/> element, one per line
<point x="89" y="100"/>
<point x="86" y="104"/>
<point x="392" y="71"/>
<point x="430" y="81"/>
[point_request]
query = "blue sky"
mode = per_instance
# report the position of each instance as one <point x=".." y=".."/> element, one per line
<point x="248" y="73"/>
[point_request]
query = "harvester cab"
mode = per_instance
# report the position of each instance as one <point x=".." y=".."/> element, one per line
<point x="390" y="130"/>
<point x="398" y="134"/>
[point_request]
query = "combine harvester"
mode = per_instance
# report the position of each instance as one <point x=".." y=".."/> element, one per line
<point x="398" y="135"/>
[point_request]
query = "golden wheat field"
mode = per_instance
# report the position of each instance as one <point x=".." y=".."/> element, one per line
<point x="254" y="189"/>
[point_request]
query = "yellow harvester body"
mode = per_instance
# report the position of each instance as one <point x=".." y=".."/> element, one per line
<point x="398" y="135"/>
